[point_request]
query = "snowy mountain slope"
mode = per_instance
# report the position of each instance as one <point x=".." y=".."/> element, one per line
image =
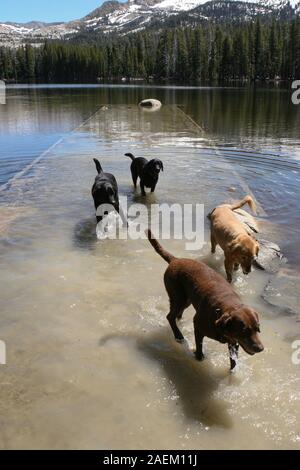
<point x="14" y="35"/>
<point x="135" y="15"/>
<point x="179" y="5"/>
<point x="139" y="14"/>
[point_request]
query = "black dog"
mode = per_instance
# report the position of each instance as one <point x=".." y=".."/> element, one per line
<point x="148" y="172"/>
<point x="105" y="191"/>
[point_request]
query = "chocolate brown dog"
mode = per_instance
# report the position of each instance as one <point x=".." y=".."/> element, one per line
<point x="220" y="314"/>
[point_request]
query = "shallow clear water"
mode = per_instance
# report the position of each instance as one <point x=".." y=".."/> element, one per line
<point x="91" y="360"/>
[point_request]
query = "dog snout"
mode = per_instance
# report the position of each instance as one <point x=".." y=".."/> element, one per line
<point x="252" y="346"/>
<point x="258" y="347"/>
<point x="247" y="270"/>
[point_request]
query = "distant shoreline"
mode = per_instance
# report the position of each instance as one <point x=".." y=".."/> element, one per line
<point x="281" y="85"/>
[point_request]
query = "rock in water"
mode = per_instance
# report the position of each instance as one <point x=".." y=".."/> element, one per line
<point x="283" y="293"/>
<point x="151" y="104"/>
<point x="248" y="220"/>
<point x="270" y="257"/>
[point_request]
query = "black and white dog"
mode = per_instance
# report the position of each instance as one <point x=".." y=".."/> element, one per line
<point x="105" y="192"/>
<point x="148" y="172"/>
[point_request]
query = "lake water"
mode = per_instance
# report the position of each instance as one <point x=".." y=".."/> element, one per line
<point x="91" y="361"/>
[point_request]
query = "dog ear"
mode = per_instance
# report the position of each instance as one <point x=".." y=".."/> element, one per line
<point x="236" y="247"/>
<point x="162" y="166"/>
<point x="256" y="317"/>
<point x="257" y="249"/>
<point x="223" y="321"/>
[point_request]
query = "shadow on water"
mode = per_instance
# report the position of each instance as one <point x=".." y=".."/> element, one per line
<point x="195" y="382"/>
<point x="214" y="262"/>
<point x="84" y="236"/>
<point x="135" y="196"/>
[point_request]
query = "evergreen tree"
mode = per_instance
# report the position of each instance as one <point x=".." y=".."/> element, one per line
<point x="182" y="60"/>
<point x="162" y="64"/>
<point x="274" y="51"/>
<point x="227" y="59"/>
<point x="240" y="56"/>
<point x="258" y="52"/>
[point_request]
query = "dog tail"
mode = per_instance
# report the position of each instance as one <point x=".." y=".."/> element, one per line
<point x="247" y="200"/>
<point x="130" y="156"/>
<point x="210" y="214"/>
<point x="98" y="166"/>
<point x="158" y="248"/>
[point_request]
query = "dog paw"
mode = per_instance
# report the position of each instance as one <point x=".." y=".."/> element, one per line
<point x="180" y="340"/>
<point x="199" y="356"/>
<point x="233" y="365"/>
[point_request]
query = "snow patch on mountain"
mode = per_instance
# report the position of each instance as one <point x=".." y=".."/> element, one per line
<point x="179" y="5"/>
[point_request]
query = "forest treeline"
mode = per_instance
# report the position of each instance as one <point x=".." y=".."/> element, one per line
<point x="204" y="53"/>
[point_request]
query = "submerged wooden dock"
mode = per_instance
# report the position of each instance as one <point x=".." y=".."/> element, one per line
<point x="88" y="346"/>
<point x="168" y="134"/>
